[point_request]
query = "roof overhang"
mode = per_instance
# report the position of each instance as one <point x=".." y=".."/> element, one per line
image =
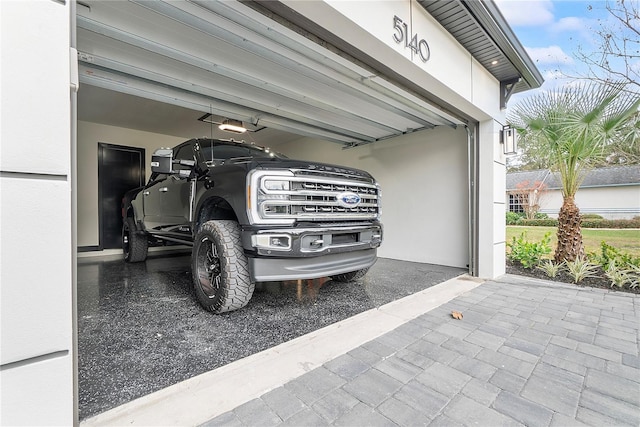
<point x="480" y="27"/>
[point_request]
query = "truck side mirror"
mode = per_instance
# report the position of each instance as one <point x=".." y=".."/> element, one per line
<point x="162" y="161"/>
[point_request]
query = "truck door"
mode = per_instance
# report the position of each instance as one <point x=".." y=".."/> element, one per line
<point x="167" y="201"/>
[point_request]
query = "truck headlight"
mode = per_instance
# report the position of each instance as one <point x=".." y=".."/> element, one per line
<point x="269" y="196"/>
<point x="276" y="185"/>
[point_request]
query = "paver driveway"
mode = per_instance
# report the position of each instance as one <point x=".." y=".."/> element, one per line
<point x="527" y="352"/>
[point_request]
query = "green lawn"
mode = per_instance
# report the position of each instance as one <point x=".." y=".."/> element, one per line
<point x="626" y="240"/>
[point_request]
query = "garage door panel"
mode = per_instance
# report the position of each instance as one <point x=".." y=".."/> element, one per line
<point x="230" y="52"/>
<point x="138" y="62"/>
<point x="146" y="89"/>
<point x="260" y="56"/>
<point x="302" y="92"/>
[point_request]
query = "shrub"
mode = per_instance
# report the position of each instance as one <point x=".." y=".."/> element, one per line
<point x="610" y="223"/>
<point x="543" y="222"/>
<point x="514" y="218"/>
<point x="580" y="269"/>
<point x="617" y="276"/>
<point x="634" y="276"/>
<point x="550" y="268"/>
<point x="611" y="255"/>
<point x="529" y="254"/>
<point x="540" y="215"/>
<point x="585" y="222"/>
<point x="591" y="216"/>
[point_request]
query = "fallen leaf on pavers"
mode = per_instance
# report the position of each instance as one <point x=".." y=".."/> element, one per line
<point x="456" y="315"/>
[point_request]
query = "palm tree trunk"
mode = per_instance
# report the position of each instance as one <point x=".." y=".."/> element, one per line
<point x="570" y="245"/>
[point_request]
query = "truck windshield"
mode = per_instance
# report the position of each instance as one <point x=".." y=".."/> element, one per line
<point x="220" y="152"/>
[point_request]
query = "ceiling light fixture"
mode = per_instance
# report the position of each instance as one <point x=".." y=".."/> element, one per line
<point x="221" y="120"/>
<point x="230" y="125"/>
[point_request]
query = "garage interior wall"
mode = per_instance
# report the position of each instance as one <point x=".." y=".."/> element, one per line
<point x="425" y="199"/>
<point x="89" y="135"/>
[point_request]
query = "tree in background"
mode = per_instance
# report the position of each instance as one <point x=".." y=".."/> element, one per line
<point x="624" y="149"/>
<point x="528" y="196"/>
<point x="616" y="55"/>
<point x="612" y="57"/>
<point x="570" y="129"/>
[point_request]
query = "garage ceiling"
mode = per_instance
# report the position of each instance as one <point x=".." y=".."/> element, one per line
<point x="230" y="60"/>
<point x="119" y="109"/>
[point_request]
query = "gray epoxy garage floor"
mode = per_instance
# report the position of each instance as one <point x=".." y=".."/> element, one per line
<point x="140" y="328"/>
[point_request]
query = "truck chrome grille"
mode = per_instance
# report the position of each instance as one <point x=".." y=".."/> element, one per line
<point x="316" y="198"/>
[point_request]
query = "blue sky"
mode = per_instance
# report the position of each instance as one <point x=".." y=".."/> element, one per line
<point x="552" y="32"/>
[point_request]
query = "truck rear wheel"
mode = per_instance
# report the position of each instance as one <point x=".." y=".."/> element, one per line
<point x="351" y="276"/>
<point x="134" y="245"/>
<point x="219" y="267"/>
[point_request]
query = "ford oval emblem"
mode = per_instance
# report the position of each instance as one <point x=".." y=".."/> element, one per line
<point x="348" y="199"/>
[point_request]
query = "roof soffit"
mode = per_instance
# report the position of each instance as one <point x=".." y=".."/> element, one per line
<point x="481" y="29"/>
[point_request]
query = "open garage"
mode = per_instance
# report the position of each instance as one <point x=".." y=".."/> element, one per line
<point x="409" y="91"/>
<point x="304" y="101"/>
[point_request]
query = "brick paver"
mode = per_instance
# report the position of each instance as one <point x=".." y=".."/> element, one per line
<point x="527" y="352"/>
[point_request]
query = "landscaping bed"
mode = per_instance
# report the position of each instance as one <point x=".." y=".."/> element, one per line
<point x="600" y="281"/>
<point x="612" y="257"/>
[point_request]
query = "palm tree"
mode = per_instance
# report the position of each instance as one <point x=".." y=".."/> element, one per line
<point x="571" y="128"/>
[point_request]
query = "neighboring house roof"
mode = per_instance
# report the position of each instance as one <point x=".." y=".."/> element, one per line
<point x="602" y="177"/>
<point x="515" y="178"/>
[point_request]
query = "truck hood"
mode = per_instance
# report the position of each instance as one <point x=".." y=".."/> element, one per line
<point x="314" y="166"/>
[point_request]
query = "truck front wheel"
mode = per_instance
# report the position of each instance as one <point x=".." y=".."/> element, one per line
<point x="134" y="245"/>
<point x="220" y="269"/>
<point x="351" y="276"/>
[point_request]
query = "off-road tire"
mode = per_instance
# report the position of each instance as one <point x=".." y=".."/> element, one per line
<point x="351" y="276"/>
<point x="219" y="267"/>
<point x="134" y="244"/>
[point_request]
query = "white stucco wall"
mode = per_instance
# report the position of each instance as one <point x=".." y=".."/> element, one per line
<point x="451" y="73"/>
<point x="491" y="201"/>
<point x="36" y="258"/>
<point x="610" y="202"/>
<point x="89" y="135"/>
<point x="424" y="190"/>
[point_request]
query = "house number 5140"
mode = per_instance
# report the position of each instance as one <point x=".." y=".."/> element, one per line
<point x="419" y="47"/>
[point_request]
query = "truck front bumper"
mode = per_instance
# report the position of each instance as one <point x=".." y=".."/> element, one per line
<point x="306" y="242"/>
<point x="281" y="253"/>
<point x="276" y="269"/>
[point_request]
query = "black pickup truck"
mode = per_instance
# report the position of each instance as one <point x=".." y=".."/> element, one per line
<point x="253" y="215"/>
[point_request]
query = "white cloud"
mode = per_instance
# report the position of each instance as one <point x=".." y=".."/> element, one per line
<point x="549" y="55"/>
<point x="570" y="23"/>
<point x="526" y="13"/>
